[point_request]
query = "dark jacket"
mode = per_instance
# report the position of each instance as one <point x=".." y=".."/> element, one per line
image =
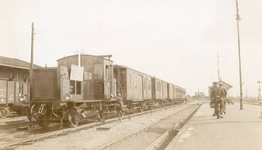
<point x="216" y="91"/>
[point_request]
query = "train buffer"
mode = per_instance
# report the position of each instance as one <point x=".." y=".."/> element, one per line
<point x="238" y="130"/>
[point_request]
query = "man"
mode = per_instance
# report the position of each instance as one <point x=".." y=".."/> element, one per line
<point x="223" y="96"/>
<point x="215" y="95"/>
<point x="120" y="100"/>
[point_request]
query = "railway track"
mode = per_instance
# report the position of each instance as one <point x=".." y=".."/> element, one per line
<point x="155" y="135"/>
<point x="14" y="139"/>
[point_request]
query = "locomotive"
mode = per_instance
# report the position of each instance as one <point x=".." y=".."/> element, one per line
<point x="85" y="85"/>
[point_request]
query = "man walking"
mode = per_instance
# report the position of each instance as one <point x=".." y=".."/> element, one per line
<point x="215" y="95"/>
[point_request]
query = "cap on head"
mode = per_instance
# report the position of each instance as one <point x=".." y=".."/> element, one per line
<point x="215" y="83"/>
<point x="220" y="83"/>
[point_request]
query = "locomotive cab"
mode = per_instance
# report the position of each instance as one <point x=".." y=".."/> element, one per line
<point x="92" y="79"/>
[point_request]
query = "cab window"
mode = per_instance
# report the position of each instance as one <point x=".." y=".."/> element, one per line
<point x="75" y="87"/>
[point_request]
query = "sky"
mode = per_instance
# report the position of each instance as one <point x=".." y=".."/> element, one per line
<point x="178" y="41"/>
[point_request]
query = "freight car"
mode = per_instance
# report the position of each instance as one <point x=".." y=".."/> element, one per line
<point x="10" y="92"/>
<point x="14" y="74"/>
<point x="87" y="85"/>
<point x="134" y="86"/>
<point x="140" y="90"/>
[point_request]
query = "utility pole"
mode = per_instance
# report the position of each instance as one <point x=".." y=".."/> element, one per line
<point x="31" y="63"/>
<point x="259" y="90"/>
<point x="240" y="76"/>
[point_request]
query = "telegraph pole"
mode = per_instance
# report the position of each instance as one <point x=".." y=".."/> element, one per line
<point x="240" y="76"/>
<point x="31" y="63"/>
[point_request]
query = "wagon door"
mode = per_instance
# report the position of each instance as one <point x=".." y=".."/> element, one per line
<point x="11" y="92"/>
<point x="64" y="82"/>
<point x="18" y="91"/>
<point x="3" y="87"/>
<point x="138" y="92"/>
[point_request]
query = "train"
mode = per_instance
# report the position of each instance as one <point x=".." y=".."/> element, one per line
<point x="89" y="86"/>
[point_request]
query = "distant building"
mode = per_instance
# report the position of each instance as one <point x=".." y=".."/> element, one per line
<point x="199" y="95"/>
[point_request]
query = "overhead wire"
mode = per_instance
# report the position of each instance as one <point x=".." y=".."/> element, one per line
<point x="116" y="18"/>
<point x="46" y="43"/>
<point x="131" y="32"/>
<point x="83" y="19"/>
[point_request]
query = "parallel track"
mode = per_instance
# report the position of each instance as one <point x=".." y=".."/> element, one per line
<point x="184" y="115"/>
<point x="15" y="139"/>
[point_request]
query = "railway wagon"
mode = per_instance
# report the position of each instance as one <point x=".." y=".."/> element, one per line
<point x="80" y="86"/>
<point x="134" y="86"/>
<point x="10" y="92"/>
<point x="160" y="91"/>
<point x="13" y="83"/>
<point x="180" y="94"/>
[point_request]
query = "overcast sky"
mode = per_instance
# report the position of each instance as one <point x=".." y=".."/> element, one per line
<point x="174" y="40"/>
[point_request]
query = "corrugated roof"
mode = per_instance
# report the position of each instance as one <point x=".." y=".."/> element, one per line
<point x="16" y="63"/>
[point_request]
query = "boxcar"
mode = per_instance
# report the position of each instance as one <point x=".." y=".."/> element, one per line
<point x="134" y="86"/>
<point x="180" y="94"/>
<point x="160" y="91"/>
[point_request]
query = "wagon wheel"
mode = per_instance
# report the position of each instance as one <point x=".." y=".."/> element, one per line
<point x="44" y="121"/>
<point x="33" y="113"/>
<point x="100" y="115"/>
<point x="72" y="119"/>
<point x="4" y="112"/>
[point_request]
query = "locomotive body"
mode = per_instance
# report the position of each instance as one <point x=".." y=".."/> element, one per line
<point x="76" y="86"/>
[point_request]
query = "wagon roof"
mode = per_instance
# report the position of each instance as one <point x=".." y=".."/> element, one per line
<point x="103" y="56"/>
<point x="177" y="86"/>
<point x="122" y="66"/>
<point x="16" y="63"/>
